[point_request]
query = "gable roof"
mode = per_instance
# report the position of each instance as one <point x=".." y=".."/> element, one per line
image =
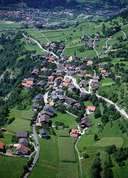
<point x="22" y="134"/>
<point x="2" y="145"/>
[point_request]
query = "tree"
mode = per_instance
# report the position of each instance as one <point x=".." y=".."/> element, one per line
<point x="96" y="168"/>
<point x="96" y="137"/>
<point x="97" y="112"/>
<point x="111" y="149"/>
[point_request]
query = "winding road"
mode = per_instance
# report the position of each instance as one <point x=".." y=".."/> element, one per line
<point x="82" y="90"/>
<point x="120" y="110"/>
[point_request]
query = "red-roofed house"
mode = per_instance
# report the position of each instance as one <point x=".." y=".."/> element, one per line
<point x="74" y="133"/>
<point x="90" y="109"/>
<point x="27" y="83"/>
<point x="2" y="147"/>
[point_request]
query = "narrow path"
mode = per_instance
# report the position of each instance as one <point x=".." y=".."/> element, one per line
<point x="125" y="36"/>
<point x="79" y="158"/>
<point x="37" y="151"/>
<point x="119" y="109"/>
<point x="39" y="45"/>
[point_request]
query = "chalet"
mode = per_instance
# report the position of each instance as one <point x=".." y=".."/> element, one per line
<point x="42" y="119"/>
<point x="74" y="133"/>
<point x="84" y="122"/>
<point x="38" y="97"/>
<point x="90" y="109"/>
<point x="89" y="63"/>
<point x="95" y="83"/>
<point x="28" y="83"/>
<point x="2" y="147"/>
<point x="23" y="141"/>
<point x="66" y="82"/>
<point x="44" y="133"/>
<point x="77" y="105"/>
<point x="69" y="101"/>
<point x="36" y="107"/>
<point x="22" y="150"/>
<point x="104" y="73"/>
<point x="35" y="72"/>
<point x="51" y="79"/>
<point x="50" y="109"/>
<point x="22" y="134"/>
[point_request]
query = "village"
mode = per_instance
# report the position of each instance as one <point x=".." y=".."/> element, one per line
<point x="61" y="92"/>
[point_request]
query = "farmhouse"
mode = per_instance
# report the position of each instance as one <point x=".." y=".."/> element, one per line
<point x="22" y="150"/>
<point x="23" y="141"/>
<point x="42" y="119"/>
<point x="89" y="63"/>
<point x="90" y="109"/>
<point x="44" y="133"/>
<point x="28" y="83"/>
<point x="74" y="133"/>
<point x="84" y="122"/>
<point x="22" y="134"/>
<point x="2" y="147"/>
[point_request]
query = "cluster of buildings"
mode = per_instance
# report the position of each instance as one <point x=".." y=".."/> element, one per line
<point x="22" y="146"/>
<point x="57" y="83"/>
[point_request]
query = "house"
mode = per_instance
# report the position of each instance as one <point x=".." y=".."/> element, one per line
<point x="84" y="122"/>
<point x="95" y="83"/>
<point x="22" y="150"/>
<point x="44" y="133"/>
<point x="66" y="82"/>
<point x="23" y="141"/>
<point x="90" y="109"/>
<point x="36" y="107"/>
<point x="2" y="147"/>
<point x="22" y="134"/>
<point x="104" y="73"/>
<point x="49" y="109"/>
<point x="38" y="97"/>
<point x="89" y="63"/>
<point x="42" y="118"/>
<point x="74" y="133"/>
<point x="69" y="101"/>
<point x="77" y="105"/>
<point x="35" y="72"/>
<point x="28" y="83"/>
<point x="51" y="79"/>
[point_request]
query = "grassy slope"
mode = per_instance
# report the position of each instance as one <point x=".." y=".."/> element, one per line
<point x="22" y="120"/>
<point x="11" y="167"/>
<point x="54" y="151"/>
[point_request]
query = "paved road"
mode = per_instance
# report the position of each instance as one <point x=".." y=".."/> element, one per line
<point x="37" y="151"/>
<point x="119" y="109"/>
<point x="39" y="45"/>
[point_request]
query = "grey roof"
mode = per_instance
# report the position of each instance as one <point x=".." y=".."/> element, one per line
<point x="22" y="134"/>
<point x="38" y="97"/>
<point x="23" y="141"/>
<point x="43" y="131"/>
<point x="43" y="117"/>
<point x="49" y="108"/>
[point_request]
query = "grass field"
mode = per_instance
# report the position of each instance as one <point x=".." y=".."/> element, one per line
<point x="107" y="82"/>
<point x="11" y="167"/>
<point x="7" y="138"/>
<point x="107" y="141"/>
<point x="57" y="155"/>
<point x="22" y="120"/>
<point x="68" y="170"/>
<point x="66" y="149"/>
<point x="47" y="166"/>
<point x="67" y="119"/>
